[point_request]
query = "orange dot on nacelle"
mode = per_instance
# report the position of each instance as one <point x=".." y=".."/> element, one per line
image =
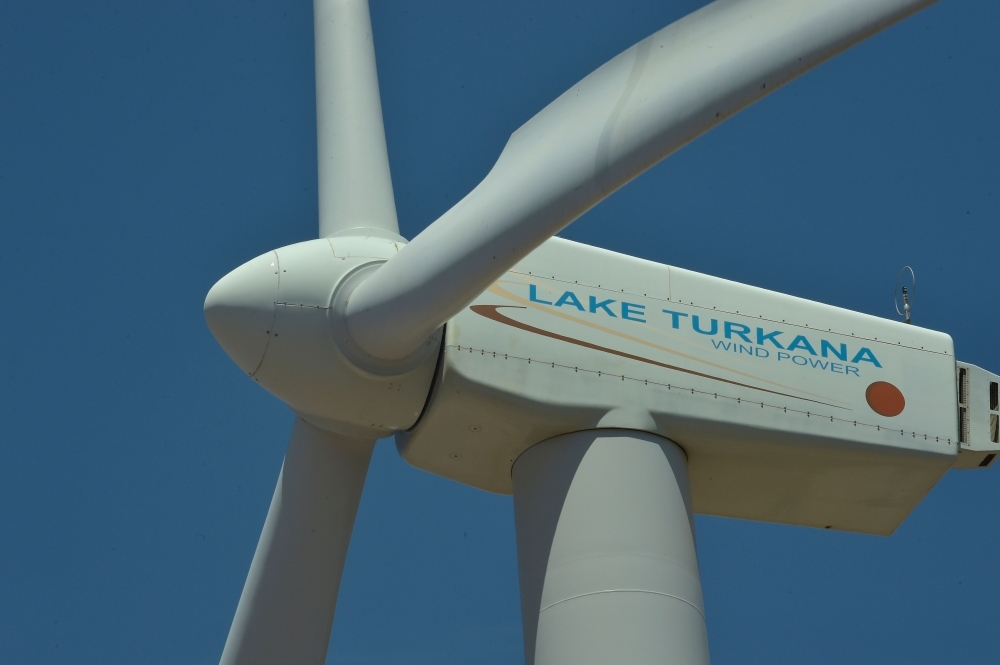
<point x="885" y="399"/>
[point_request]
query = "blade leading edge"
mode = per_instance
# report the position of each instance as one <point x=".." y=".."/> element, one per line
<point x="617" y="122"/>
<point x="355" y="186"/>
<point x="286" y="609"/>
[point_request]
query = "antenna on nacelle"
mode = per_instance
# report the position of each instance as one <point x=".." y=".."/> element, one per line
<point x="907" y="294"/>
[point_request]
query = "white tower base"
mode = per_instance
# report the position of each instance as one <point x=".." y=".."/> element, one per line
<point x="605" y="542"/>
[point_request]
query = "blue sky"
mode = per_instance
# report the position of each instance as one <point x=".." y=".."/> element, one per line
<point x="148" y="148"/>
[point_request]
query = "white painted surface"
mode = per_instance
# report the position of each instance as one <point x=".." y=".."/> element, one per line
<point x="617" y="122"/>
<point x="355" y="186"/>
<point x="606" y="552"/>
<point x="785" y="439"/>
<point x="239" y="310"/>
<point x="286" y="609"/>
<point x="286" y="332"/>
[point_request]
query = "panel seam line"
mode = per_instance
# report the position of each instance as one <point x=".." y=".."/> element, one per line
<point x="594" y="593"/>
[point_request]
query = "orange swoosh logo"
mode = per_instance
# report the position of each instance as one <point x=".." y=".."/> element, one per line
<point x="490" y="312"/>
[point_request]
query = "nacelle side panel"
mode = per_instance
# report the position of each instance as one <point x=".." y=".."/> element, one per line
<point x="789" y="410"/>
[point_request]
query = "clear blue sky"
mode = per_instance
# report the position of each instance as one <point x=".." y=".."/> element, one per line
<point x="148" y="148"/>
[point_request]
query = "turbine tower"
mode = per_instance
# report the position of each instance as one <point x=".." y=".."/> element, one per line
<point x="612" y="397"/>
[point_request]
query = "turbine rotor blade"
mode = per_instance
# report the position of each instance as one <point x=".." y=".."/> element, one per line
<point x="355" y="186"/>
<point x="617" y="122"/>
<point x="286" y="609"/>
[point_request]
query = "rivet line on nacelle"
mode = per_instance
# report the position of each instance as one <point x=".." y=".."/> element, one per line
<point x="694" y="391"/>
<point x="298" y="304"/>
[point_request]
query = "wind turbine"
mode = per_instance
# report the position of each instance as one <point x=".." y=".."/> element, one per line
<point x="613" y="397"/>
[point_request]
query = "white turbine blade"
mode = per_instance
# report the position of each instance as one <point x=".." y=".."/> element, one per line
<point x="355" y="187"/>
<point x="286" y="609"/>
<point x="613" y="125"/>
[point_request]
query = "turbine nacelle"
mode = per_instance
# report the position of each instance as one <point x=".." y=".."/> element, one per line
<point x="280" y="317"/>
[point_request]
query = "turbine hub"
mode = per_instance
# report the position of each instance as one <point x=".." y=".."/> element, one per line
<point x="280" y="318"/>
<point x="239" y="310"/>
